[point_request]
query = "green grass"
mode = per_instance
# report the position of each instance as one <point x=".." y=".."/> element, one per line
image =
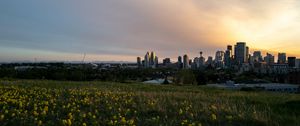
<point x="39" y="102"/>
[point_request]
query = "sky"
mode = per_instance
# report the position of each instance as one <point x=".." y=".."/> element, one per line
<point x="121" y="30"/>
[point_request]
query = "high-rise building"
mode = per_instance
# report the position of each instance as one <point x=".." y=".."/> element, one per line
<point x="152" y="59"/>
<point x="297" y="63"/>
<point x="219" y="56"/>
<point x="209" y="60"/>
<point x="219" y="59"/>
<point x="147" y="60"/>
<point x="155" y="62"/>
<point x="201" y="60"/>
<point x="281" y="58"/>
<point x="228" y="56"/>
<point x="257" y="56"/>
<point x="292" y="62"/>
<point x="240" y="52"/>
<point x="186" y="61"/>
<point x="247" y="54"/>
<point x="196" y="63"/>
<point x="269" y="59"/>
<point x="179" y="62"/>
<point x="139" y="61"/>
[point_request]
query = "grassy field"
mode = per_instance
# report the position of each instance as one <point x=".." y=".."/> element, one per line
<point x="33" y="102"/>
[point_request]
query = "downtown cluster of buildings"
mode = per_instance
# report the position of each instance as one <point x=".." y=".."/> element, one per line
<point x="234" y="57"/>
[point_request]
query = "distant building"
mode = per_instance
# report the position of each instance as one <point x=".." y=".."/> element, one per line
<point x="166" y="61"/>
<point x="257" y="57"/>
<point x="155" y="62"/>
<point x="269" y="58"/>
<point x="240" y="52"/>
<point x="297" y="63"/>
<point x="139" y="61"/>
<point x="201" y="60"/>
<point x="179" y="62"/>
<point x="147" y="60"/>
<point x="150" y="60"/>
<point x="228" y="56"/>
<point x="281" y="58"/>
<point x="219" y="59"/>
<point x="186" y="61"/>
<point x="292" y="62"/>
<point x="247" y="54"/>
<point x="209" y="60"/>
<point x="196" y="63"/>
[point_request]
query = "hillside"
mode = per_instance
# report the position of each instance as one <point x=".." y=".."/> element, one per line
<point x="33" y="102"/>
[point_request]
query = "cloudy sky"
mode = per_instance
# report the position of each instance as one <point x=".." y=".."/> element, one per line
<point x="121" y="30"/>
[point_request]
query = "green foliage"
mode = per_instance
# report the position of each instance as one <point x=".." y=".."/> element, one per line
<point x="185" y="76"/>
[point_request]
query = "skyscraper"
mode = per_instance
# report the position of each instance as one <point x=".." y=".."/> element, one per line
<point x="219" y="59"/>
<point x="228" y="56"/>
<point x="292" y="62"/>
<point x="240" y="52"/>
<point x="297" y="63"/>
<point x="147" y="60"/>
<point x="257" y="56"/>
<point x="152" y="59"/>
<point x="281" y="58"/>
<point x="209" y="60"/>
<point x="139" y="61"/>
<point x="269" y="58"/>
<point x="247" y="54"/>
<point x="179" y="62"/>
<point x="201" y="60"/>
<point x="186" y="62"/>
<point x="155" y="62"/>
<point x="196" y="63"/>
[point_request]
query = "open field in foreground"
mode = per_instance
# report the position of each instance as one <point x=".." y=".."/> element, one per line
<point x="32" y="102"/>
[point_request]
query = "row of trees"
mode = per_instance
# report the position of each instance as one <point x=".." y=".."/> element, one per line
<point x="182" y="76"/>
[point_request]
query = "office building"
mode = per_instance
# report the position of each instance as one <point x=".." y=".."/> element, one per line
<point x="139" y="61"/>
<point x="219" y="59"/>
<point x="257" y="57"/>
<point x="147" y="60"/>
<point x="179" y="62"/>
<point x="152" y="61"/>
<point x="297" y="63"/>
<point x="269" y="59"/>
<point x="201" y="60"/>
<point x="281" y="58"/>
<point x="228" y="56"/>
<point x="186" y="61"/>
<point x="292" y="62"/>
<point x="240" y="52"/>
<point x="209" y="60"/>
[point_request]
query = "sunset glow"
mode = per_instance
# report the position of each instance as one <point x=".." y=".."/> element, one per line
<point x="121" y="30"/>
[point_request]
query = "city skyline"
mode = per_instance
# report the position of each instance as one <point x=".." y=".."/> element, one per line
<point x="239" y="54"/>
<point x="121" y="30"/>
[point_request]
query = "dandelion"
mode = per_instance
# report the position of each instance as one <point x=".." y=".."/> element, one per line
<point x="131" y="122"/>
<point x="2" y="117"/>
<point x="123" y="120"/>
<point x="69" y="122"/>
<point x="180" y="111"/>
<point x="65" y="122"/>
<point x="40" y="123"/>
<point x="213" y="116"/>
<point x="229" y="117"/>
<point x="213" y="107"/>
